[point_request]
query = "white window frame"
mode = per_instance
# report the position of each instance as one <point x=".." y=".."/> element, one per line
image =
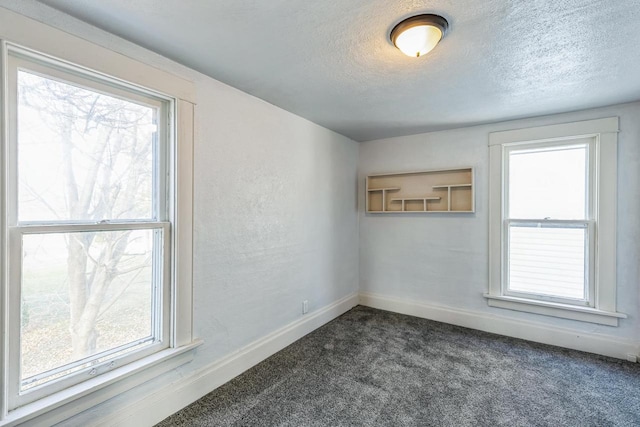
<point x="18" y="59"/>
<point x="21" y="34"/>
<point x="600" y="304"/>
<point x="588" y="224"/>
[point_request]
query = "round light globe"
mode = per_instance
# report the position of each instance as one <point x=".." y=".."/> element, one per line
<point x="418" y="41"/>
<point x="418" y="35"/>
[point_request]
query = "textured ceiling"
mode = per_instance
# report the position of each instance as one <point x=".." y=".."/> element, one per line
<point x="331" y="61"/>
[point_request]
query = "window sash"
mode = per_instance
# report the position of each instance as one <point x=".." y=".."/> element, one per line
<point x="21" y="59"/>
<point x="589" y="259"/>
<point x="590" y="142"/>
<point x="162" y="216"/>
<point x="17" y="398"/>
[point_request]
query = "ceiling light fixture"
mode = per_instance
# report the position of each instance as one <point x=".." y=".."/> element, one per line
<point x="418" y="35"/>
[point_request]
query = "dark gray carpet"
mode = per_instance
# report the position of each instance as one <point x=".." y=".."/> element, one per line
<point x="375" y="368"/>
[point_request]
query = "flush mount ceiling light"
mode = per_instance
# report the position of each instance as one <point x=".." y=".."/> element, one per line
<point x="419" y="34"/>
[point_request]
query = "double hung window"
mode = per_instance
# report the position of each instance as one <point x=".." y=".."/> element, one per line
<point x="91" y="238"/>
<point x="553" y="220"/>
<point x="549" y="222"/>
<point x="87" y="224"/>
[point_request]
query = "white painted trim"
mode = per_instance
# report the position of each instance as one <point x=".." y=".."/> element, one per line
<point x="151" y="409"/>
<point x="606" y="213"/>
<point x="4" y="239"/>
<point x="526" y="330"/>
<point x="496" y="254"/>
<point x="182" y="196"/>
<point x="73" y="400"/>
<point x="43" y="38"/>
<point x="559" y="131"/>
<point x="565" y="311"/>
<point x="603" y="204"/>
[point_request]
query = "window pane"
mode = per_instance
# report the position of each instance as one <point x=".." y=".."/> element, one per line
<point x="547" y="261"/>
<point x="548" y="183"/>
<point x="100" y="285"/>
<point x="82" y="155"/>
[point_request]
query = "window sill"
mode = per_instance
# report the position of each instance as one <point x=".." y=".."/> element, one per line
<point x="67" y="403"/>
<point x="584" y="314"/>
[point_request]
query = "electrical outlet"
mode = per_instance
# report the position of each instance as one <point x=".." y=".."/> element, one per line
<point x="305" y="306"/>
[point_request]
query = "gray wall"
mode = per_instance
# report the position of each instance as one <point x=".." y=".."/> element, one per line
<point x="275" y="218"/>
<point x="442" y="259"/>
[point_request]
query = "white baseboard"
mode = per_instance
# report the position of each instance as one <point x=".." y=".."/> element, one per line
<point x="531" y="331"/>
<point x="157" y="406"/>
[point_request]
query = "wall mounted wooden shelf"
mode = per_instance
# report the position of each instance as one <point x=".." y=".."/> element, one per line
<point x="444" y="191"/>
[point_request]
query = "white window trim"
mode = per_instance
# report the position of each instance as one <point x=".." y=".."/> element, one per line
<point x="605" y="131"/>
<point x="19" y="32"/>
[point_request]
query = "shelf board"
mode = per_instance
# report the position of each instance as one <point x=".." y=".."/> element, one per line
<point x="429" y="212"/>
<point x="383" y="189"/>
<point x="419" y="172"/>
<point x="451" y="185"/>
<point x="407" y="199"/>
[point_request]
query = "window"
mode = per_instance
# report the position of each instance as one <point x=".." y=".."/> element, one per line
<point x="553" y="220"/>
<point x="95" y="241"/>
<point x="88" y="226"/>
<point x="548" y="222"/>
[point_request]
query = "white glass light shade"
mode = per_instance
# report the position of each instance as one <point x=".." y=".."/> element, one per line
<point x="417" y="41"/>
<point x="418" y="35"/>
